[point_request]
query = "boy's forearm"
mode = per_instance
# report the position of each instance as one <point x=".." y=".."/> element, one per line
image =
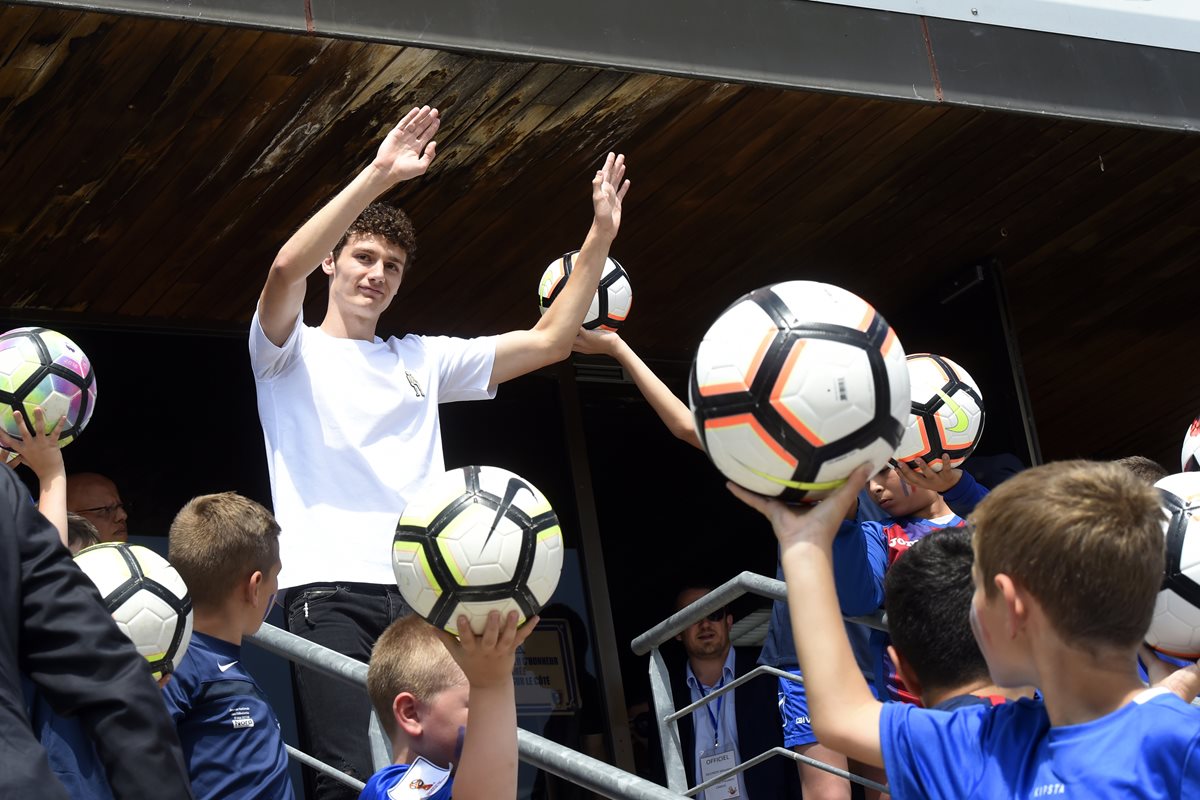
<point x="487" y="768"/>
<point x="316" y="238"/>
<point x="673" y="412"/>
<point x="565" y="316"/>
<point x="845" y="715"/>
<point x="52" y="501"/>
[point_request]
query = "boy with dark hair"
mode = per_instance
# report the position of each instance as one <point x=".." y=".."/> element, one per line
<point x="421" y="682"/>
<point x="226" y="549"/>
<point x="928" y="600"/>
<point x="1068" y="563"/>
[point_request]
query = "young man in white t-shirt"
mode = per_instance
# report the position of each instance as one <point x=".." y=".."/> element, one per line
<point x="351" y="420"/>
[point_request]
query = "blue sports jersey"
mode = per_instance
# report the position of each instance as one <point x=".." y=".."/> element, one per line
<point x="779" y="648"/>
<point x="421" y="780"/>
<point x="1146" y="749"/>
<point x="230" y="736"/>
<point x="862" y="552"/>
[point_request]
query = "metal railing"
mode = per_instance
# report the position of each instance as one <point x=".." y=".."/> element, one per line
<point x="663" y="698"/>
<point x="551" y="757"/>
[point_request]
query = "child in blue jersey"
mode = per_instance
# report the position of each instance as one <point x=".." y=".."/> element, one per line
<point x="226" y="549"/>
<point x="927" y="595"/>
<point x="422" y="681"/>
<point x="917" y="502"/>
<point x="778" y="650"/>
<point x="1068" y="563"/>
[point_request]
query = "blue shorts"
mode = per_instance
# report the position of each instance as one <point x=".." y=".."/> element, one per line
<point x="793" y="710"/>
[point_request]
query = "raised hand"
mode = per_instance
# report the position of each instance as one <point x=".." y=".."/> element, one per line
<point x="409" y="148"/>
<point x="40" y="452"/>
<point x="817" y="524"/>
<point x="608" y="191"/>
<point x="487" y="659"/>
<point x="923" y="477"/>
<point x="593" y="343"/>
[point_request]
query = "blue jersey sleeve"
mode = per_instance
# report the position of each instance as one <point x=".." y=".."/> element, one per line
<point x="1189" y="786"/>
<point x="963" y="496"/>
<point x="860" y="560"/>
<point x="929" y="753"/>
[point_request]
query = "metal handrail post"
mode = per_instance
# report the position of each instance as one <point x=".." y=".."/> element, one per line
<point x="668" y="728"/>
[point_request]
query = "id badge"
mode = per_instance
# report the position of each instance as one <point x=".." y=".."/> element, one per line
<point x="713" y="762"/>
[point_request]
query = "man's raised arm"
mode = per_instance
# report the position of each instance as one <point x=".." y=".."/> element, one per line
<point x="522" y="352"/>
<point x="406" y="152"/>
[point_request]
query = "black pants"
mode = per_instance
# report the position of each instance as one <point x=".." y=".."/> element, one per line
<point x="333" y="715"/>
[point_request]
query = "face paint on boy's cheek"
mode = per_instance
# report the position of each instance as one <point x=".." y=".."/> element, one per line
<point x="458" y="745"/>
<point x="904" y="488"/>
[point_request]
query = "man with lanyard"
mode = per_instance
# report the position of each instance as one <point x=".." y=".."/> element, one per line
<point x="728" y="730"/>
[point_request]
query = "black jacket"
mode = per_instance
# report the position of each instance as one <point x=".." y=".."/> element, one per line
<point x="759" y="726"/>
<point x="55" y="630"/>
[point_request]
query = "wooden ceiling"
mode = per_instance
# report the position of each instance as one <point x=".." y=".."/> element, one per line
<point x="151" y="168"/>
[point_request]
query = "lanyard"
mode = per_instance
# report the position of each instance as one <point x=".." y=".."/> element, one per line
<point x="715" y="719"/>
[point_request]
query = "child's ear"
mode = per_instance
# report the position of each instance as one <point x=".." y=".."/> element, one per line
<point x="1014" y="602"/>
<point x="904" y="672"/>
<point x="327" y="265"/>
<point x="406" y="711"/>
<point x="253" y="586"/>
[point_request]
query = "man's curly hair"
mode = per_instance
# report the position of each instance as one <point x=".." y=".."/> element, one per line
<point x="383" y="222"/>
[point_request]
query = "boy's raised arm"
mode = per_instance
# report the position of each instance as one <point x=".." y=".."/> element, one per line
<point x="844" y="713"/>
<point x="673" y="412"/>
<point x="406" y="152"/>
<point x="487" y="767"/>
<point x="521" y="352"/>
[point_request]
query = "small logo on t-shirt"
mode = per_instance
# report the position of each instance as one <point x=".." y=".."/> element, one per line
<point x="240" y="717"/>
<point x="412" y="381"/>
<point x="224" y="667"/>
<point x="421" y="780"/>
<point x="1048" y="790"/>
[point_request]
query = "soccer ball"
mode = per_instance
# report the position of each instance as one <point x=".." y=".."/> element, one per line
<point x="947" y="412"/>
<point x="1190" y="457"/>
<point x="147" y="598"/>
<point x="611" y="302"/>
<point x="473" y="540"/>
<point x="1175" y="628"/>
<point x="41" y="367"/>
<point x="795" y="385"/>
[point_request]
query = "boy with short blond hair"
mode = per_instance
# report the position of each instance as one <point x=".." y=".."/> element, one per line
<point x="226" y="548"/>
<point x="1068" y="563"/>
<point x="421" y="681"/>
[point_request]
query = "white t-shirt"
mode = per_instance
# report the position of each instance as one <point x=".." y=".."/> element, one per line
<point x="352" y="429"/>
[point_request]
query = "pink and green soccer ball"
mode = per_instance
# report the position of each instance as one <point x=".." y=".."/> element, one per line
<point x="42" y="367"/>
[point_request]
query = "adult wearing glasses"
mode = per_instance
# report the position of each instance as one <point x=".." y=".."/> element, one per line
<point x="736" y="726"/>
<point x="95" y="498"/>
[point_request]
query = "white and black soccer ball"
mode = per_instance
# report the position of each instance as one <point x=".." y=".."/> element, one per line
<point x="1175" y="628"/>
<point x="947" y="412"/>
<point x="147" y="598"/>
<point x="1190" y="456"/>
<point x="611" y="302"/>
<point x="795" y="385"/>
<point x="473" y="540"/>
